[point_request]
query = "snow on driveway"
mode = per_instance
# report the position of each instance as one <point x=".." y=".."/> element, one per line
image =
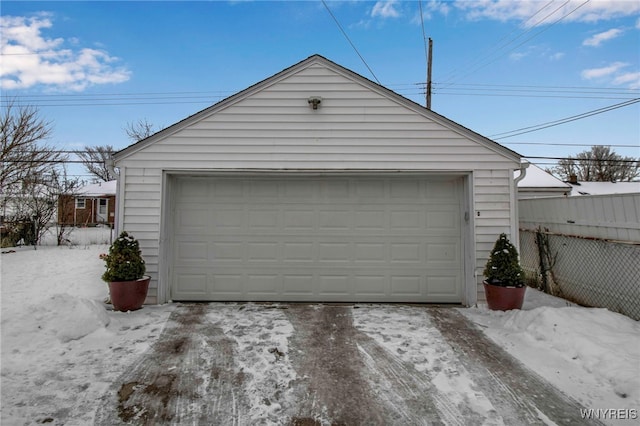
<point x="64" y="354"/>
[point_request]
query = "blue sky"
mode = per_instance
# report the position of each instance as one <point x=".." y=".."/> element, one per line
<point x="498" y="66"/>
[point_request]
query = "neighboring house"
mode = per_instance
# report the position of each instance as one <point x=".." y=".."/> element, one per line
<point x="91" y="205"/>
<point x="317" y="184"/>
<point x="537" y="183"/>
<point x="604" y="188"/>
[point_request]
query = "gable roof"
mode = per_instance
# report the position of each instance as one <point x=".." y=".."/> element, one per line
<point x="314" y="60"/>
<point x="98" y="189"/>
<point x="538" y="178"/>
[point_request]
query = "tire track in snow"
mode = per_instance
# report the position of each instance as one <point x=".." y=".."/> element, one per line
<point x="413" y="397"/>
<point x="429" y="370"/>
<point x="518" y="394"/>
<point x="187" y="377"/>
<point x="331" y="386"/>
<point x="346" y="377"/>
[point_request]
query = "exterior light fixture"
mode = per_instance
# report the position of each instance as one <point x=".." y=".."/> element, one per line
<point x="314" y="101"/>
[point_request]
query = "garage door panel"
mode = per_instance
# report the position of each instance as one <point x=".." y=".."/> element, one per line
<point x="407" y="285"/>
<point x="225" y="220"/>
<point x="403" y="253"/>
<point x="227" y="251"/>
<point x="370" y="252"/>
<point x="263" y="252"/>
<point x="335" y="189"/>
<point x="264" y="284"/>
<point x="266" y="218"/>
<point x="406" y="219"/>
<point x="298" y="285"/>
<point x="191" y="251"/>
<point x="332" y="220"/>
<point x="369" y="219"/>
<point x="334" y="252"/>
<point x="447" y="254"/>
<point x="298" y="252"/>
<point x="441" y="286"/>
<point x="195" y="284"/>
<point x="370" y="188"/>
<point x="226" y="286"/>
<point x="441" y="190"/>
<point x="405" y="189"/>
<point x="299" y="220"/>
<point x="371" y="285"/>
<point x="334" y="285"/>
<point x="316" y="239"/>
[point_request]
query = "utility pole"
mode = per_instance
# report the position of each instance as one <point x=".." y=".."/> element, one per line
<point x="429" y="74"/>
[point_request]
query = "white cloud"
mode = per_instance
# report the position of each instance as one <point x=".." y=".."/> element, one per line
<point x="430" y="8"/>
<point x="593" y="73"/>
<point x="556" y="56"/>
<point x="534" y="12"/>
<point x="385" y="9"/>
<point x="597" y="39"/>
<point x="632" y="79"/>
<point x="29" y="58"/>
<point x="638" y="24"/>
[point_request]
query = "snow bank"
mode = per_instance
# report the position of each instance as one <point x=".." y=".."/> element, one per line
<point x="62" y="347"/>
<point x="604" y="343"/>
<point x="69" y="317"/>
<point x="591" y="354"/>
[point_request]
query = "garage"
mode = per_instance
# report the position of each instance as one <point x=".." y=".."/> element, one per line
<point x="317" y="238"/>
<point x="316" y="184"/>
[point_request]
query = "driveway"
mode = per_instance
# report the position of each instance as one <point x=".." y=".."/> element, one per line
<point x="320" y="364"/>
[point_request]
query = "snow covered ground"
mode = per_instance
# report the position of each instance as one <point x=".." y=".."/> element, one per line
<point x="61" y="347"/>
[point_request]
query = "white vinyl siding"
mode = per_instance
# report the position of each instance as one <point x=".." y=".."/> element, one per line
<point x="357" y="127"/>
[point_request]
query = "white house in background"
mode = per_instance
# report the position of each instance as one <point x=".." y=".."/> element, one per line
<point x="317" y="184"/>
<point x="604" y="188"/>
<point x="537" y="183"/>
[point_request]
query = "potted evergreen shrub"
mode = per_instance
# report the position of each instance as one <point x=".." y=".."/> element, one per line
<point x="504" y="285"/>
<point x="128" y="285"/>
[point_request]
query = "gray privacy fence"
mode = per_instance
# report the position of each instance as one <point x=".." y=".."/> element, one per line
<point x="589" y="271"/>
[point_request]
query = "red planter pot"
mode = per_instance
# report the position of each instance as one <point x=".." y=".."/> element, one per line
<point x="129" y="295"/>
<point x="504" y="298"/>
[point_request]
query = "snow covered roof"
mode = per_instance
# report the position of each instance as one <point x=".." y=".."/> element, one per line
<point x="602" y="188"/>
<point x="98" y="189"/>
<point x="535" y="177"/>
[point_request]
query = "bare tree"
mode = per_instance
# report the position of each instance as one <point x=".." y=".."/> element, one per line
<point x="97" y="162"/>
<point x="599" y="164"/>
<point x="24" y="154"/>
<point x="65" y="190"/>
<point x="139" y="130"/>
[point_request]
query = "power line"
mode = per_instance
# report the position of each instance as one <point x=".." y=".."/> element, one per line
<point x="479" y="57"/>
<point x="506" y="95"/>
<point x="582" y="159"/>
<point x="406" y="89"/>
<point x="548" y="124"/>
<point x="570" y="144"/>
<point x="350" y="42"/>
<point x="471" y="71"/>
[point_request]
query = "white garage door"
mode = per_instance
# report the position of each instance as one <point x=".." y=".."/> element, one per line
<point x="329" y="238"/>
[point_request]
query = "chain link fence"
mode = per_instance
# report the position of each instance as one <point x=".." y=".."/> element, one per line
<point x="588" y="271"/>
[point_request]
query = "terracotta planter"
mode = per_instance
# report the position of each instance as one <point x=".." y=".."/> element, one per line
<point x="129" y="295"/>
<point x="504" y="298"/>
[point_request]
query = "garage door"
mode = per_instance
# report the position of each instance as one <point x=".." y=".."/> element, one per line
<point x="324" y="238"/>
